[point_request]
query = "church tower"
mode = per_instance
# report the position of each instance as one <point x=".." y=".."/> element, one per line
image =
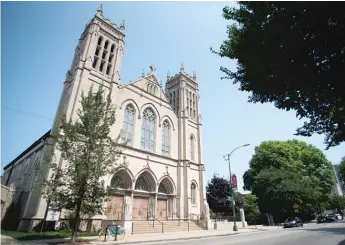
<point x="183" y="94"/>
<point x="97" y="61"/>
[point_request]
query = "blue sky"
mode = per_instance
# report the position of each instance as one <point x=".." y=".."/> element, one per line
<point x="37" y="45"/>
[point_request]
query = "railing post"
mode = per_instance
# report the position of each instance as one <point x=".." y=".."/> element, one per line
<point x="188" y="226"/>
<point x="132" y="227"/>
<point x="116" y="231"/>
<point x="105" y="234"/>
<point x="162" y="227"/>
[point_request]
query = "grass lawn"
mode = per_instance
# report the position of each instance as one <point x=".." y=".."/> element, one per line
<point x="43" y="235"/>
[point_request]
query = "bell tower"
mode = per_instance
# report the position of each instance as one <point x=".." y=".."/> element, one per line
<point x="182" y="92"/>
<point x="97" y="61"/>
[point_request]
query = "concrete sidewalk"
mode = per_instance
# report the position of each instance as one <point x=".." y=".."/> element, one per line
<point x="157" y="237"/>
<point x="138" y="238"/>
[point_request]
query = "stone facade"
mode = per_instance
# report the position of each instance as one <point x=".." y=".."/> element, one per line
<point x="162" y="163"/>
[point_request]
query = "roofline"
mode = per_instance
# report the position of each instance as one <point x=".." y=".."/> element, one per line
<point x="46" y="135"/>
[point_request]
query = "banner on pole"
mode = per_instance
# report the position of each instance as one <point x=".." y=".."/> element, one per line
<point x="234" y="181"/>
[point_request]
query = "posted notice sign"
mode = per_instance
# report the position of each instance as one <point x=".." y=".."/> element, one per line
<point x="53" y="215"/>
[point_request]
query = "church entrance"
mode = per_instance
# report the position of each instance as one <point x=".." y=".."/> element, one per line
<point x="140" y="208"/>
<point x="115" y="207"/>
<point x="162" y="209"/>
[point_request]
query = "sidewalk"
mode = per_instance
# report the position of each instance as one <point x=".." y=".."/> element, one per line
<point x="156" y="237"/>
<point x="137" y="238"/>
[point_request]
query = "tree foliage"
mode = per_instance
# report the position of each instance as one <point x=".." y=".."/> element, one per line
<point x="291" y="54"/>
<point x="217" y="193"/>
<point x="250" y="205"/>
<point x="289" y="177"/>
<point x="337" y="203"/>
<point x="89" y="154"/>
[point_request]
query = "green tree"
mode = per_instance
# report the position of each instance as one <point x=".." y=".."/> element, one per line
<point x="89" y="154"/>
<point x="250" y="205"/>
<point x="217" y="193"/>
<point x="337" y="203"/>
<point x="289" y="177"/>
<point x="291" y="54"/>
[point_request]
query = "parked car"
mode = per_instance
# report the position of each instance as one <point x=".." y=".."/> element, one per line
<point x="321" y="218"/>
<point x="293" y="222"/>
<point x="331" y="218"/>
<point x="327" y="218"/>
<point x="339" y="216"/>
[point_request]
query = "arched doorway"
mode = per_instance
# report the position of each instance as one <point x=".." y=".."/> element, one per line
<point x="165" y="199"/>
<point x="143" y="199"/>
<point x="120" y="182"/>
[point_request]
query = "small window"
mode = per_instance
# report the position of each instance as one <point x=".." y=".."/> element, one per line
<point x="191" y="147"/>
<point x="193" y="193"/>
<point x="106" y="44"/>
<point x="108" y="69"/>
<point x="101" y="66"/>
<point x="104" y="54"/>
<point x="100" y="40"/>
<point x="94" y="64"/>
<point x="110" y="60"/>
<point x="97" y="51"/>
<point x="112" y="48"/>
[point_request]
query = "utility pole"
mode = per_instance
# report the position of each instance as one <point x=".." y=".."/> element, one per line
<point x="232" y="192"/>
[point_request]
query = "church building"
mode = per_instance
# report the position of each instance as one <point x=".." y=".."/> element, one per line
<point x="162" y="163"/>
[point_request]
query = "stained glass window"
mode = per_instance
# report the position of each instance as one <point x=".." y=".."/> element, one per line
<point x="193" y="193"/>
<point x="148" y="130"/>
<point x="128" y="122"/>
<point x="166" y="138"/>
<point x="192" y="147"/>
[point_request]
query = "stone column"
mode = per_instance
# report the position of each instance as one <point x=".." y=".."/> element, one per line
<point x="128" y="206"/>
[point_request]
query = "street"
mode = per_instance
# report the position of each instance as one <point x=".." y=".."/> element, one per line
<point x="321" y="234"/>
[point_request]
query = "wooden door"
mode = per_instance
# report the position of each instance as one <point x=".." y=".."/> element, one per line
<point x="162" y="205"/>
<point x="115" y="208"/>
<point x="140" y="208"/>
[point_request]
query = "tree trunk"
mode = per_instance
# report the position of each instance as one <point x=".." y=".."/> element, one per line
<point x="272" y="221"/>
<point x="268" y="219"/>
<point x="76" y="221"/>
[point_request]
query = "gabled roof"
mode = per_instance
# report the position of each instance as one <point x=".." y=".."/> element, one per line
<point x="144" y="82"/>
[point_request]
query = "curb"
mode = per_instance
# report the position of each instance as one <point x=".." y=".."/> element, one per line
<point x="179" y="239"/>
<point x="168" y="240"/>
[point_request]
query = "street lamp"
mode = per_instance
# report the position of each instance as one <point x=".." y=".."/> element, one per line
<point x="230" y="182"/>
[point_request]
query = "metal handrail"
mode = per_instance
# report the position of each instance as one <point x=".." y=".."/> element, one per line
<point x="179" y="220"/>
<point x="154" y="218"/>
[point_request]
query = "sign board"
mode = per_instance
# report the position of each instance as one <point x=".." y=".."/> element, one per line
<point x="234" y="181"/>
<point x="53" y="215"/>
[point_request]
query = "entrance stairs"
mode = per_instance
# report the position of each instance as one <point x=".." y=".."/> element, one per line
<point x="163" y="226"/>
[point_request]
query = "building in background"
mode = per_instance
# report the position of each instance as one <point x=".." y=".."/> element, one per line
<point x="339" y="187"/>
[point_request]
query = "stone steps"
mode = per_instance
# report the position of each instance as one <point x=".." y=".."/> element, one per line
<point x="141" y="227"/>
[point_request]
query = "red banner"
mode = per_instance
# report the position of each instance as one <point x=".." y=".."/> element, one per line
<point x="234" y="181"/>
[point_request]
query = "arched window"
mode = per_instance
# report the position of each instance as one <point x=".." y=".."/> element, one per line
<point x="100" y="41"/>
<point x="193" y="193"/>
<point x="148" y="129"/>
<point x="166" y="138"/>
<point x="191" y="147"/>
<point x="112" y="48"/>
<point x="106" y="44"/>
<point x="128" y="122"/>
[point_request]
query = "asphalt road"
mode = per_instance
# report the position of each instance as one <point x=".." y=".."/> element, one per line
<point x="321" y="234"/>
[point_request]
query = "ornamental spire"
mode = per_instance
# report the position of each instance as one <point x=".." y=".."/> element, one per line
<point x="182" y="68"/>
<point x="100" y="10"/>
